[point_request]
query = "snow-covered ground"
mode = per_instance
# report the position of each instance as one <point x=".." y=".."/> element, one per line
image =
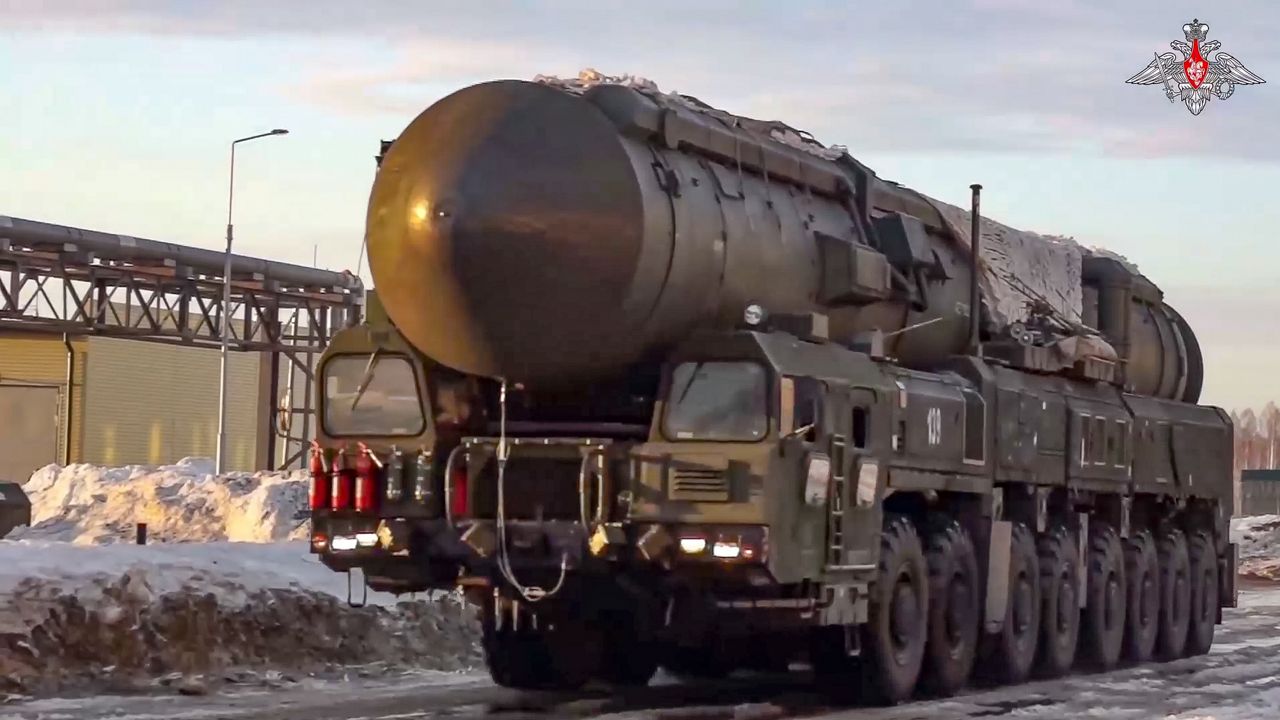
<point x="227" y="585"/>
<point x="231" y="571"/>
<point x="1259" y="539"/>
<point x="226" y="581"/>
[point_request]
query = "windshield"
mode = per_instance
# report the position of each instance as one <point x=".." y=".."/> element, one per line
<point x="717" y="401"/>
<point x="374" y="395"/>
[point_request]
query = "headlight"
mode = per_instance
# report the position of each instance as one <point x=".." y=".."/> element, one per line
<point x="727" y="550"/>
<point x="693" y="545"/>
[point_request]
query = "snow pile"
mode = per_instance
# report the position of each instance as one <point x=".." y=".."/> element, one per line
<point x="226" y="582"/>
<point x="184" y="502"/>
<point x="80" y="616"/>
<point x="1258" y="538"/>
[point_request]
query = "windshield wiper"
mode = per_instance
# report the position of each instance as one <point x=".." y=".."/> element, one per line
<point x="692" y="376"/>
<point x="368" y="378"/>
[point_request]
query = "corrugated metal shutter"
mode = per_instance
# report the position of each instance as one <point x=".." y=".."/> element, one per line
<point x="31" y="416"/>
<point x="41" y="359"/>
<point x="153" y="403"/>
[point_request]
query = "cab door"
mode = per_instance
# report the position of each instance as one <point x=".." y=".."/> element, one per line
<point x="860" y="426"/>
<point x="800" y="505"/>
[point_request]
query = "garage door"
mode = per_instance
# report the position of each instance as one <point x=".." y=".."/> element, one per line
<point x="28" y="430"/>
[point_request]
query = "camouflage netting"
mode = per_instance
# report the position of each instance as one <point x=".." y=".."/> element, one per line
<point x="1017" y="265"/>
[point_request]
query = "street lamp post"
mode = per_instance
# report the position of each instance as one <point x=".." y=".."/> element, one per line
<point x="220" y="459"/>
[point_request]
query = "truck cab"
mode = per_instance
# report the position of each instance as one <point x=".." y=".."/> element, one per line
<point x="376" y="486"/>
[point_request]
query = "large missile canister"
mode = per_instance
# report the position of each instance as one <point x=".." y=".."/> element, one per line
<point x="519" y="230"/>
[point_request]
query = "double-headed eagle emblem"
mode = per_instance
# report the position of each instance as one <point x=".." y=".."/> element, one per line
<point x="1200" y="78"/>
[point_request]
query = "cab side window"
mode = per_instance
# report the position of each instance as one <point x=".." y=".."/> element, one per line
<point x="861" y="424"/>
<point x="808" y="407"/>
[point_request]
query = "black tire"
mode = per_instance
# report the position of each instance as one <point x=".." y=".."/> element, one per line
<point x="627" y="659"/>
<point x="1204" y="594"/>
<point x="1142" y="571"/>
<point x="514" y="660"/>
<point x="954" y="610"/>
<point x="1102" y="632"/>
<point x="560" y="656"/>
<point x="896" y="632"/>
<point x="703" y="662"/>
<point x="1012" y="651"/>
<point x="1175" y="595"/>
<point x="1060" y="609"/>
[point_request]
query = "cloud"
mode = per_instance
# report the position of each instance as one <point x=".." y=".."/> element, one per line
<point x="395" y="89"/>
<point x="908" y="77"/>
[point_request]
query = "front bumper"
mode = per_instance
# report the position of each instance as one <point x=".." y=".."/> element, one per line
<point x="396" y="554"/>
<point x="420" y="553"/>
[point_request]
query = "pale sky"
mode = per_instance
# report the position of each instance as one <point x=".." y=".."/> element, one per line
<point x="117" y="115"/>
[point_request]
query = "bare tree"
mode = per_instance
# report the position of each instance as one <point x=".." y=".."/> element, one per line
<point x="1248" y="430"/>
<point x="1270" y="425"/>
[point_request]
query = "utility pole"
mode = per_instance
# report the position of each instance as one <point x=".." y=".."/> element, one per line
<point x="221" y="457"/>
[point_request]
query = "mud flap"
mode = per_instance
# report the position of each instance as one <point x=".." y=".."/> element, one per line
<point x="364" y="600"/>
<point x="998" y="574"/>
<point x="1228" y="588"/>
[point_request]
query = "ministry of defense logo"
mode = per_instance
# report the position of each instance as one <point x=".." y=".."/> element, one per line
<point x="1200" y="78"/>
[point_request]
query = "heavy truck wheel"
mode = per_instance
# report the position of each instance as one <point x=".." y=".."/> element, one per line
<point x="1142" y="571"/>
<point x="702" y="662"/>
<point x="560" y="655"/>
<point x="512" y="659"/>
<point x="628" y="658"/>
<point x="1204" y="594"/>
<point x="1060" y="610"/>
<point x="1011" y="652"/>
<point x="954" y="602"/>
<point x="895" y="635"/>
<point x="1102" y="633"/>
<point x="1175" y="595"/>
<point x="629" y="664"/>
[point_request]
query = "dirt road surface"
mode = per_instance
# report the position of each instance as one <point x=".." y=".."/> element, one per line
<point x="1238" y="680"/>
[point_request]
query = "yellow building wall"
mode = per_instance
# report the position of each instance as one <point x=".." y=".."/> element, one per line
<point x="41" y="359"/>
<point x="151" y="403"/>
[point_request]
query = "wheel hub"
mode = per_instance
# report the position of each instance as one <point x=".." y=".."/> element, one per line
<point x="1066" y="603"/>
<point x="1147" y="600"/>
<point x="957" y="608"/>
<point x="1022" y="605"/>
<point x="906" y="612"/>
<point x="1112" y="600"/>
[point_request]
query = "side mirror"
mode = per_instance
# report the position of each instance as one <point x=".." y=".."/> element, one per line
<point x="797" y="432"/>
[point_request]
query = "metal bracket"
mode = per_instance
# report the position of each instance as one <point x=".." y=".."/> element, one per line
<point x="1082" y="559"/>
<point x="448" y="482"/>
<point x="1042" y="509"/>
<point x="845" y="605"/>
<point x="584" y="472"/>
<point x="852" y="641"/>
<point x="667" y="179"/>
<point x="1126" y="507"/>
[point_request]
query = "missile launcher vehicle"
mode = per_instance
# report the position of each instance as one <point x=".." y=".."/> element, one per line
<point x="660" y="385"/>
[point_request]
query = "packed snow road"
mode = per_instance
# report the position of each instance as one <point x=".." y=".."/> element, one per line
<point x="1238" y="680"/>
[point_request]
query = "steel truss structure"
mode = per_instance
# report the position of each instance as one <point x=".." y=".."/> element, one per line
<point x="66" y="280"/>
